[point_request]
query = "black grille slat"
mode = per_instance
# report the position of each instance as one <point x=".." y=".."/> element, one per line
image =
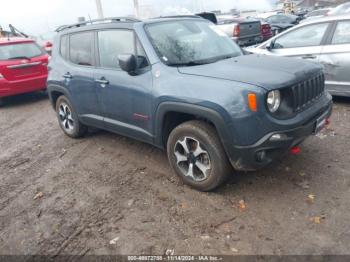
<point x="307" y="91"/>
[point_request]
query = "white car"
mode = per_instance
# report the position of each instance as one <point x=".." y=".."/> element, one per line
<point x="325" y="40"/>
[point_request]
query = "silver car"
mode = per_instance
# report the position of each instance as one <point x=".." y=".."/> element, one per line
<point x="325" y="40"/>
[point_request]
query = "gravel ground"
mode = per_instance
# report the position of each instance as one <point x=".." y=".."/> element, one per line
<point x="65" y="196"/>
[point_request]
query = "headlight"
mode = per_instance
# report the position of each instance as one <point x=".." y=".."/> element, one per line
<point x="274" y="100"/>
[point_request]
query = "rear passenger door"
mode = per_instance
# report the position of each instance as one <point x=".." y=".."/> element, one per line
<point x="336" y="59"/>
<point x="78" y="75"/>
<point x="126" y="100"/>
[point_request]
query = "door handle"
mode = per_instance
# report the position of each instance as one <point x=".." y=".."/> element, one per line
<point x="103" y="82"/>
<point x="309" y="57"/>
<point x="68" y="76"/>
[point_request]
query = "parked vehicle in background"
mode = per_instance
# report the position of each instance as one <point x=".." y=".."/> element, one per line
<point x="243" y="31"/>
<point x="340" y="9"/>
<point x="281" y="22"/>
<point x="317" y="13"/>
<point x="183" y="85"/>
<point x="266" y="31"/>
<point x="302" y="13"/>
<point x="23" y="66"/>
<point x="325" y="40"/>
<point x="46" y="41"/>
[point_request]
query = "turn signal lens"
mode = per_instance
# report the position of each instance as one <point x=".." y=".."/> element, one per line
<point x="252" y="102"/>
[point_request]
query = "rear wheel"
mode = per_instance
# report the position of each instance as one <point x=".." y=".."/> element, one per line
<point x="197" y="156"/>
<point x="2" y="102"/>
<point x="68" y="118"/>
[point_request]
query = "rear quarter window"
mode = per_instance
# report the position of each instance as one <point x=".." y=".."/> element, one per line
<point x="64" y="46"/>
<point x="20" y="51"/>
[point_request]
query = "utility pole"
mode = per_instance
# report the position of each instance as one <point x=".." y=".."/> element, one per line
<point x="99" y="9"/>
<point x="136" y="8"/>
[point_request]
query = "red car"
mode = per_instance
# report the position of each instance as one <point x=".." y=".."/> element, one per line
<point x="23" y="66"/>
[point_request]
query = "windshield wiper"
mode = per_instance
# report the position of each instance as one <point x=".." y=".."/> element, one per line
<point x="204" y="61"/>
<point x="19" y="57"/>
<point x="190" y="63"/>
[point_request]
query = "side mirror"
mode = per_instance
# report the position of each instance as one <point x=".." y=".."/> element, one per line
<point x="270" y="45"/>
<point x="127" y="62"/>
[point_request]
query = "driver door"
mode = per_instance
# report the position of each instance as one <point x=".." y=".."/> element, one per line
<point x="304" y="42"/>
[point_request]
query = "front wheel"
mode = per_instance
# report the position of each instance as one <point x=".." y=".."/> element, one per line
<point x="197" y="156"/>
<point x="68" y="118"/>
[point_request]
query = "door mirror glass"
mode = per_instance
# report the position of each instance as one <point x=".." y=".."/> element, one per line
<point x="127" y="62"/>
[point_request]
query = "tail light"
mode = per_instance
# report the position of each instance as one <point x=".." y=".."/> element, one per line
<point x="48" y="44"/>
<point x="265" y="28"/>
<point x="236" y="31"/>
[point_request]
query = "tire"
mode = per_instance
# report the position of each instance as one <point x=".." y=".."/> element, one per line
<point x="2" y="102"/>
<point x="210" y="156"/>
<point x="68" y="119"/>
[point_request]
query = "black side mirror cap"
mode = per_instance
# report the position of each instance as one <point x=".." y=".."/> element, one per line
<point x="270" y="45"/>
<point x="127" y="62"/>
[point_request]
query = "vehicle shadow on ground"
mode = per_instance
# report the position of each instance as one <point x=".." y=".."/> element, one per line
<point x="24" y="99"/>
<point x="275" y="173"/>
<point x="341" y="100"/>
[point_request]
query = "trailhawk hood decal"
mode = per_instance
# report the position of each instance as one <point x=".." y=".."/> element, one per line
<point x="260" y="70"/>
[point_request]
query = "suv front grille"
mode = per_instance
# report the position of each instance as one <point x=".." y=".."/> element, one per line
<point x="308" y="91"/>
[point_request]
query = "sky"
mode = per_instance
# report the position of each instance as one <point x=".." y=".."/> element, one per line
<point x="37" y="17"/>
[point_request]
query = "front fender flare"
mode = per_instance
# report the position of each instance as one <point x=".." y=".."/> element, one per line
<point x="219" y="120"/>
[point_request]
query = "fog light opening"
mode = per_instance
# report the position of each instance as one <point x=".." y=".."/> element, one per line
<point x="260" y="156"/>
<point x="295" y="150"/>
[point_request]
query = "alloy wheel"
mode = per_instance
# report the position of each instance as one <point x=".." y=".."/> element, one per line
<point x="66" y="118"/>
<point x="192" y="159"/>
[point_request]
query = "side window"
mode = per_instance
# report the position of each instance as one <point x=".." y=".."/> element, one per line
<point x="342" y="33"/>
<point x="63" y="46"/>
<point x="113" y="43"/>
<point x="310" y="35"/>
<point x="81" y="49"/>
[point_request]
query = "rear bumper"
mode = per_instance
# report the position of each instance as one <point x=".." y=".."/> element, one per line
<point x="9" y="88"/>
<point x="246" y="41"/>
<point x="266" y="150"/>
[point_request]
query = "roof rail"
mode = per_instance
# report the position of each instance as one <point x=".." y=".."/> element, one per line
<point x="178" y="16"/>
<point x="99" y="21"/>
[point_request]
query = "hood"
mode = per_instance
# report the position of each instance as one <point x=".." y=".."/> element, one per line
<point x="264" y="71"/>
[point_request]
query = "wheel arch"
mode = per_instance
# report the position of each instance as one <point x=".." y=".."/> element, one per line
<point x="55" y="92"/>
<point x="179" y="113"/>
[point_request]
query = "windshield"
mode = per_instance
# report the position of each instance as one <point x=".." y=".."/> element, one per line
<point x="19" y="51"/>
<point x="191" y="42"/>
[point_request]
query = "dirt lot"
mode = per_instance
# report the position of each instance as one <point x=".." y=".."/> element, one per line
<point x="106" y="187"/>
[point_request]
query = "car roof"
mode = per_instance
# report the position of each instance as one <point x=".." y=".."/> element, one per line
<point x="125" y="23"/>
<point x="14" y="40"/>
<point x="327" y="19"/>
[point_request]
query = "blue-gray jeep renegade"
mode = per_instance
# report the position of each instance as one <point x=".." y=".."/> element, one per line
<point x="181" y="84"/>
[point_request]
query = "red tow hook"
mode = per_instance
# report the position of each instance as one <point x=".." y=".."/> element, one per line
<point x="295" y="150"/>
<point x="328" y="121"/>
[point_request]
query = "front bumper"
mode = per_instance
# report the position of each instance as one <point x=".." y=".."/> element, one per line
<point x="266" y="151"/>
